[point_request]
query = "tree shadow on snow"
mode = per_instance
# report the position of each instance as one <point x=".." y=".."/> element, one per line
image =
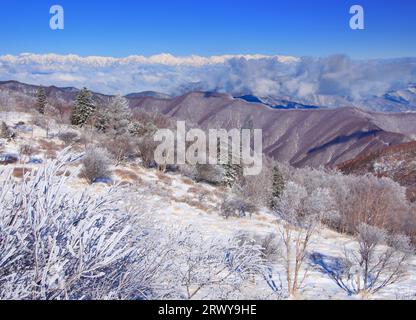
<point x="336" y="268"/>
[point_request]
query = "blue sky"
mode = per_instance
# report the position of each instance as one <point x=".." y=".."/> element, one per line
<point x="215" y="27"/>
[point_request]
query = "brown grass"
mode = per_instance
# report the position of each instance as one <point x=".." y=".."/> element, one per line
<point x="19" y="172"/>
<point x="127" y="175"/>
<point x="50" y="148"/>
<point x="193" y="203"/>
<point x="196" y="190"/>
<point x="164" y="178"/>
<point x="65" y="172"/>
<point x="188" y="181"/>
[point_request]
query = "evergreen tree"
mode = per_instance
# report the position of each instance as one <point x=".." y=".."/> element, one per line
<point x="5" y="131"/>
<point x="232" y="171"/>
<point x="41" y="101"/>
<point x="119" y="115"/>
<point x="114" y="119"/>
<point x="83" y="109"/>
<point x="141" y="130"/>
<point x="102" y="119"/>
<point x="278" y="185"/>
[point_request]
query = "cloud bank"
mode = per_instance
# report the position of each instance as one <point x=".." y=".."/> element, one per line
<point x="305" y="79"/>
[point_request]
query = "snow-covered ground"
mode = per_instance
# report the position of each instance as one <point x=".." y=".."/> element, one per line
<point x="174" y="210"/>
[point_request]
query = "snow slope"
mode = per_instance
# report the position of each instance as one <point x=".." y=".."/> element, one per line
<point x="178" y="201"/>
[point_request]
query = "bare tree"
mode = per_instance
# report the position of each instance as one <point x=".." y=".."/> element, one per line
<point x="380" y="260"/>
<point x="302" y="213"/>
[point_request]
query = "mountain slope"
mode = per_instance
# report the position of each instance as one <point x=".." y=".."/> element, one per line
<point x="302" y="137"/>
<point x="397" y="162"/>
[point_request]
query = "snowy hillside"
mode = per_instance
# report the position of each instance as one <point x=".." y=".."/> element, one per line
<point x="179" y="223"/>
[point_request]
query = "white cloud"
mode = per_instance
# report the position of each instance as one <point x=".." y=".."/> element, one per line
<point x="308" y="80"/>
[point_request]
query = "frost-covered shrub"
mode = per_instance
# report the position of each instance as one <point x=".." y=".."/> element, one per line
<point x="68" y="137"/>
<point x="121" y="147"/>
<point x="209" y="173"/>
<point x="59" y="244"/>
<point x="236" y="207"/>
<point x="147" y="147"/>
<point x="269" y="245"/>
<point x="96" y="164"/>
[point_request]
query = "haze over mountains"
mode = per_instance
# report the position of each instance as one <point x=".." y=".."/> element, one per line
<point x="283" y="81"/>
<point x="302" y="137"/>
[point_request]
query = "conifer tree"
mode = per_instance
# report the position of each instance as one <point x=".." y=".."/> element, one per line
<point x="41" y="101"/>
<point x="102" y="118"/>
<point x="5" y="131"/>
<point x="278" y="185"/>
<point x="233" y="169"/>
<point x="114" y="119"/>
<point x="119" y="115"/>
<point x="83" y="109"/>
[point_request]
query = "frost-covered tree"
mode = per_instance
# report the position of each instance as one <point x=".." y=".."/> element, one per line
<point x="301" y="213"/>
<point x="119" y="116"/>
<point x="114" y="119"/>
<point x="372" y="267"/>
<point x="209" y="173"/>
<point x="41" y="100"/>
<point x="6" y="132"/>
<point x="207" y="267"/>
<point x="142" y="129"/>
<point x="231" y="163"/>
<point x="83" y="109"/>
<point x="68" y="136"/>
<point x="377" y="260"/>
<point x="102" y="118"/>
<point x="375" y="201"/>
<point x="232" y="172"/>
